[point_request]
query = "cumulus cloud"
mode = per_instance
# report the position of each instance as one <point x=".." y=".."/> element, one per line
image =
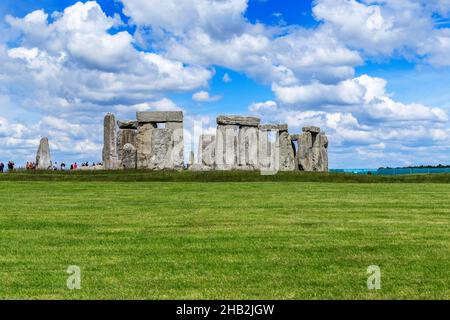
<point x="366" y="94"/>
<point x="204" y="96"/>
<point x="69" y="68"/>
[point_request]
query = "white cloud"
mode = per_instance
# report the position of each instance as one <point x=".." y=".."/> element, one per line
<point x="204" y="96"/>
<point x="267" y="106"/>
<point x="366" y="94"/>
<point x="226" y="78"/>
<point x="218" y="18"/>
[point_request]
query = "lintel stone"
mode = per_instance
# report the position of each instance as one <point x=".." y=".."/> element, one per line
<point x="127" y="124"/>
<point x="311" y="129"/>
<point x="159" y="116"/>
<point x="278" y="127"/>
<point x="238" y="120"/>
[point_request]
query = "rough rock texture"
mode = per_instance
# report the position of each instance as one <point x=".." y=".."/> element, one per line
<point x="287" y="155"/>
<point x="248" y="148"/>
<point x="143" y="145"/>
<point x="295" y="137"/>
<point x="227" y="147"/>
<point x="161" y="155"/>
<point x="159" y="116"/>
<point x="127" y="124"/>
<point x="110" y="154"/>
<point x="313" y="151"/>
<point x="177" y="144"/>
<point x="207" y="150"/>
<point x="311" y="129"/>
<point x="43" y="158"/>
<point x="125" y="136"/>
<point x="238" y="120"/>
<point x="277" y="127"/>
<point x="267" y="155"/>
<point x="129" y="156"/>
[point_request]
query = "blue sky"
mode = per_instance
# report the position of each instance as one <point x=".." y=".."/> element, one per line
<point x="373" y="75"/>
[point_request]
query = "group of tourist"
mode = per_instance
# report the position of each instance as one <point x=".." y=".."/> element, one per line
<point x="55" y="166"/>
<point x="11" y="166"/>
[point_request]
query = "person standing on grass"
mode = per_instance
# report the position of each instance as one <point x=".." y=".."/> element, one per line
<point x="2" y="167"/>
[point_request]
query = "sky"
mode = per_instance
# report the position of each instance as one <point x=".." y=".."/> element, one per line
<point x="374" y="75"/>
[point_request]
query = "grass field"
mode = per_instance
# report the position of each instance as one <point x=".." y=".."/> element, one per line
<point x="229" y="240"/>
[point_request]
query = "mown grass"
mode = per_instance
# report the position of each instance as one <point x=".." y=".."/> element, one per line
<point x="246" y="240"/>
<point x="218" y="176"/>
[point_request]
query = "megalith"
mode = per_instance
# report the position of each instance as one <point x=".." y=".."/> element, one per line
<point x="126" y="135"/>
<point x="110" y="154"/>
<point x="43" y="158"/>
<point x="312" y="152"/>
<point x="236" y="146"/>
<point x="159" y="140"/>
<point x="129" y="157"/>
<point x="278" y="154"/>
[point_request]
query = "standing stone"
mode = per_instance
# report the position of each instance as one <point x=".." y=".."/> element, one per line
<point x="207" y="150"/>
<point x="110" y="154"/>
<point x="248" y="148"/>
<point x="304" y="155"/>
<point x="129" y="157"/>
<point x="125" y="136"/>
<point x="161" y="149"/>
<point x="43" y="159"/>
<point x="143" y="145"/>
<point x="313" y="150"/>
<point x="287" y="155"/>
<point x="227" y="142"/>
<point x="177" y="155"/>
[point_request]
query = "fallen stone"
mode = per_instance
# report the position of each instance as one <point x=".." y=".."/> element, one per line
<point x="159" y="116"/>
<point x="238" y="120"/>
<point x="43" y="158"/>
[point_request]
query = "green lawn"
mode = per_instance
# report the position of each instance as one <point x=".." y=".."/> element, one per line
<point x="249" y="240"/>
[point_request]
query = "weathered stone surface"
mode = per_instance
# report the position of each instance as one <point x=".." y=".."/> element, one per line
<point x="159" y="116"/>
<point x="161" y="156"/>
<point x="295" y="137"/>
<point x="177" y="144"/>
<point x="127" y="124"/>
<point x="311" y="129"/>
<point x="287" y="156"/>
<point x="267" y="152"/>
<point x="207" y="150"/>
<point x="125" y="136"/>
<point x="238" y="120"/>
<point x="305" y="152"/>
<point x="129" y="156"/>
<point x="227" y="147"/>
<point x="313" y="152"/>
<point x="276" y="127"/>
<point x="248" y="148"/>
<point x="143" y="145"/>
<point x="110" y="155"/>
<point x="43" y="158"/>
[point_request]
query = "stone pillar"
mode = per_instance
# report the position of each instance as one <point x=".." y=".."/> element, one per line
<point x="43" y="158"/>
<point x="127" y="134"/>
<point x="284" y="157"/>
<point x="160" y="148"/>
<point x="313" y="150"/>
<point x="110" y="155"/>
<point x="235" y="143"/>
<point x="207" y="151"/>
<point x="129" y="157"/>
